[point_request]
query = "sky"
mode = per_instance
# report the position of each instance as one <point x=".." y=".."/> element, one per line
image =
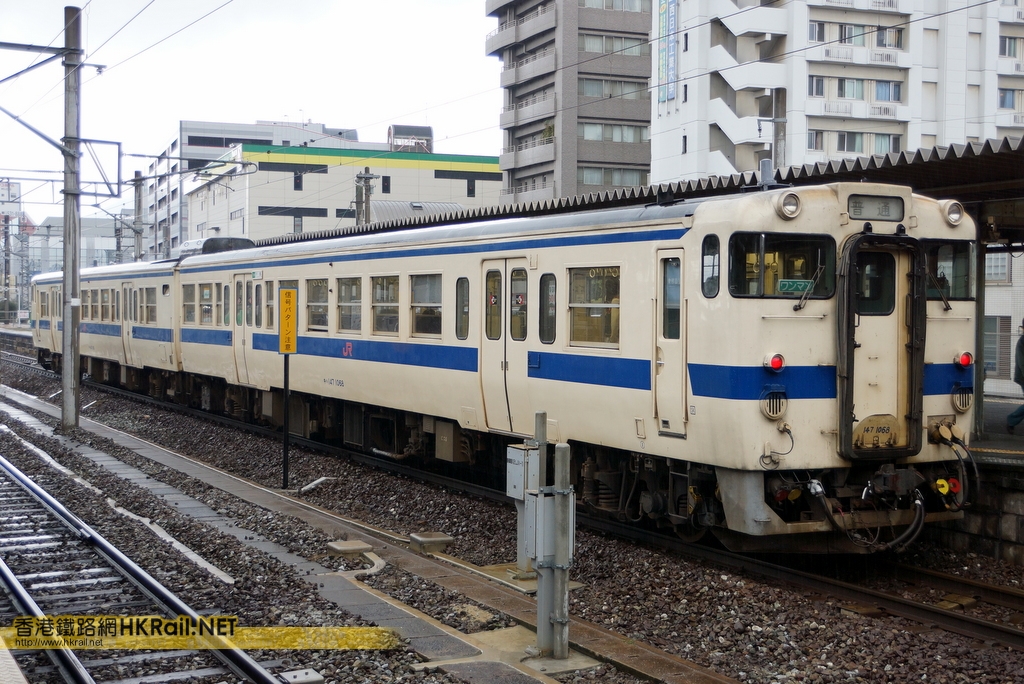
<point x="342" y="63"/>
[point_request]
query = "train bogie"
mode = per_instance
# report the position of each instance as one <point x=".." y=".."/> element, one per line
<point x="789" y="369"/>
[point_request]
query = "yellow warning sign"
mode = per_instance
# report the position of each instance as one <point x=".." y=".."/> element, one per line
<point x="289" y="321"/>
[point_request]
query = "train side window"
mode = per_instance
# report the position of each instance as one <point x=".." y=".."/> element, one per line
<point x="223" y="317"/>
<point x="876" y="283"/>
<point x="206" y="304"/>
<point x="270" y="304"/>
<point x="85" y="305"/>
<point x="462" y="308"/>
<point x="259" y="305"/>
<point x="150" y="305"/>
<point x="709" y="259"/>
<point x="188" y="303"/>
<point x="517" y="304"/>
<point x="594" y="307"/>
<point x="385" y="305"/>
<point x="95" y="314"/>
<point x="548" y="312"/>
<point x="105" y="304"/>
<point x="782" y="265"/>
<point x="950" y="268"/>
<point x="316" y="304"/>
<point x="117" y="306"/>
<point x="135" y="306"/>
<point x="350" y="304"/>
<point x="492" y="309"/>
<point x="248" y="303"/>
<point x="670" y="298"/>
<point x="425" y="301"/>
<point x="44" y="299"/>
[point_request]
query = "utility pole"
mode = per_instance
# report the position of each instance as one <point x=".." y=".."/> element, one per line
<point x="7" y="268"/>
<point x="364" y="188"/>
<point x="71" y="371"/>
<point x="137" y="224"/>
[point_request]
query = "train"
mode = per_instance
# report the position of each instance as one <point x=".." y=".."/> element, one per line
<point x="788" y="368"/>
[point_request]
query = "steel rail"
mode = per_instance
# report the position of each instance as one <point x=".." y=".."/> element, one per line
<point x="235" y="659"/>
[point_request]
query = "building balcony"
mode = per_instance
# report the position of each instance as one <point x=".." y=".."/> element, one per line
<point x="899" y="6"/>
<point x="492" y="6"/>
<point x="752" y="20"/>
<point x="862" y="55"/>
<point x="1009" y="66"/>
<point x="1011" y="14"/>
<point x="524" y="112"/>
<point x="1008" y="118"/>
<point x="529" y="193"/>
<point x="747" y="76"/>
<point x="533" y="66"/>
<point x="540" y="20"/>
<point x="527" y="154"/>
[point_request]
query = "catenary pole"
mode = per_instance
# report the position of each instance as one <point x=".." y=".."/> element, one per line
<point x="72" y="216"/>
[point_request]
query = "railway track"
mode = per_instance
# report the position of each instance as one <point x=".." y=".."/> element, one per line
<point x="947" y="615"/>
<point x="53" y="564"/>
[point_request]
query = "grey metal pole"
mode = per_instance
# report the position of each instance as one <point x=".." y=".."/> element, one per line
<point x="137" y="223"/>
<point x="563" y="554"/>
<point x="72" y="217"/>
<point x="545" y="579"/>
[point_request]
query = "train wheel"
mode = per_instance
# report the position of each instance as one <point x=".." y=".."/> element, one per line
<point x="690" y="533"/>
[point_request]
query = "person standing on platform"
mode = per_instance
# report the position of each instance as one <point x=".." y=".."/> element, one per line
<point x="1017" y="416"/>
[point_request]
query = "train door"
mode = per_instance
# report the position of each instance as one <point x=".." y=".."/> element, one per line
<point x="241" y="321"/>
<point x="129" y="314"/>
<point x="882" y="348"/>
<point x="670" y="351"/>
<point x="56" y="337"/>
<point x="503" y="349"/>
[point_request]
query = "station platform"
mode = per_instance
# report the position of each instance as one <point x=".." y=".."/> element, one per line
<point x="482" y="657"/>
<point x="997" y="446"/>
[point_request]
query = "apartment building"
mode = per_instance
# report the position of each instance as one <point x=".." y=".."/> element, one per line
<point x="809" y="81"/>
<point x="577" y="106"/>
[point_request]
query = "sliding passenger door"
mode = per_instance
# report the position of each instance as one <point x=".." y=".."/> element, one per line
<point x="239" y="301"/>
<point x="129" y="314"/>
<point x="670" y="351"/>
<point x="503" y="346"/>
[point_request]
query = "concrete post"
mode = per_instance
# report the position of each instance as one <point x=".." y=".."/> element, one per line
<point x="563" y="554"/>
<point x="137" y="222"/>
<point x="72" y="217"/>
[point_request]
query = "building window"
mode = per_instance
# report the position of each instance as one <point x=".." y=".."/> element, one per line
<point x="1006" y="98"/>
<point x="997" y="347"/>
<point x="997" y="267"/>
<point x="686" y="42"/>
<point x="237" y="214"/>
<point x="685" y="88"/>
<point x="815" y="86"/>
<point x="188" y="303"/>
<point x="462" y="308"/>
<point x="426" y="304"/>
<point x="815" y="140"/>
<point x="385" y="305"/>
<point x="850" y="142"/>
<point x="609" y="45"/>
<point x="627" y="90"/>
<point x="888" y="91"/>
<point x="886" y="143"/>
<point x="548" y="311"/>
<point x="612" y="132"/>
<point x="850" y="34"/>
<point x="350" y="304"/>
<point x="889" y="38"/>
<point x="1007" y="46"/>
<point x="297" y="182"/>
<point x="296" y="224"/>
<point x="816" y="31"/>
<point x="470" y="187"/>
<point x="589" y="175"/>
<point x="385" y="185"/>
<point x="684" y="144"/>
<point x="851" y="88"/>
<point x="316" y="304"/>
<point x="594" y="307"/>
<point x="621" y="5"/>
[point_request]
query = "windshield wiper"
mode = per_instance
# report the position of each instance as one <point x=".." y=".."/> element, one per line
<point x="807" y="293"/>
<point x="938" y="288"/>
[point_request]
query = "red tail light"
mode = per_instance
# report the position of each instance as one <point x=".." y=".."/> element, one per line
<point x="964" y="359"/>
<point x="775" y="362"/>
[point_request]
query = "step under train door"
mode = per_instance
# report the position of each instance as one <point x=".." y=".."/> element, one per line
<point x="881" y="347"/>
<point x="670" y="346"/>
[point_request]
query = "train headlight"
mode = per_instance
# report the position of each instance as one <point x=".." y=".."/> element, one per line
<point x="788" y="205"/>
<point x="775" y="362"/>
<point x="964" y="359"/>
<point x="954" y="212"/>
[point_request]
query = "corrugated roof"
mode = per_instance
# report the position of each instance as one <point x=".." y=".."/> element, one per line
<point x="972" y="173"/>
<point x="386" y="211"/>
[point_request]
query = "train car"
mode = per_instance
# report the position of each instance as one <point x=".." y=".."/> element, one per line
<point x="791" y="369"/>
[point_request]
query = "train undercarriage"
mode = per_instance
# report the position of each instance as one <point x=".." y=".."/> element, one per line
<point x="864" y="508"/>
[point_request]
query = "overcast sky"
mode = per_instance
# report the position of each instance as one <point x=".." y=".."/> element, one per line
<point x="343" y="63"/>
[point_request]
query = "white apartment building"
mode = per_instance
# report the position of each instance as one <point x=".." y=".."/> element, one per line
<point x="807" y="81"/>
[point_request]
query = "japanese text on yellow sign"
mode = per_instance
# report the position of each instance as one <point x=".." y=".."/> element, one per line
<point x="289" y="322"/>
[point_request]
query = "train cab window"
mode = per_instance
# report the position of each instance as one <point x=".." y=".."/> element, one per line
<point x="547" y="310"/>
<point x="876" y="283"/>
<point x="224" y="305"/>
<point x="350" y="304"/>
<point x="462" y="308"/>
<point x="594" y="307"/>
<point x="670" y="298"/>
<point x="426" y="304"/>
<point x="492" y="308"/>
<point x="94" y="314"/>
<point x="385" y="305"/>
<point x="782" y="265"/>
<point x="709" y="259"/>
<point x="259" y="305"/>
<point x="517" y="304"/>
<point x="270" y="304"/>
<point x="316" y="304"/>
<point x="950" y="268"/>
<point x="149" y="305"/>
<point x="206" y="304"/>
<point x="188" y="303"/>
<point x="248" y="303"/>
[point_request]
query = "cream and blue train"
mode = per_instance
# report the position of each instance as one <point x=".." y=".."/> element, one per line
<point x="791" y="369"/>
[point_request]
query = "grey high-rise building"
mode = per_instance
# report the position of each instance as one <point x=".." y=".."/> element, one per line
<point x="577" y="109"/>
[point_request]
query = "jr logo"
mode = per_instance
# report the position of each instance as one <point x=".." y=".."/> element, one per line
<point x="347" y="350"/>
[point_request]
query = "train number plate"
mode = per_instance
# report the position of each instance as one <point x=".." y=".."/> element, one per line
<point x="881" y="430"/>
